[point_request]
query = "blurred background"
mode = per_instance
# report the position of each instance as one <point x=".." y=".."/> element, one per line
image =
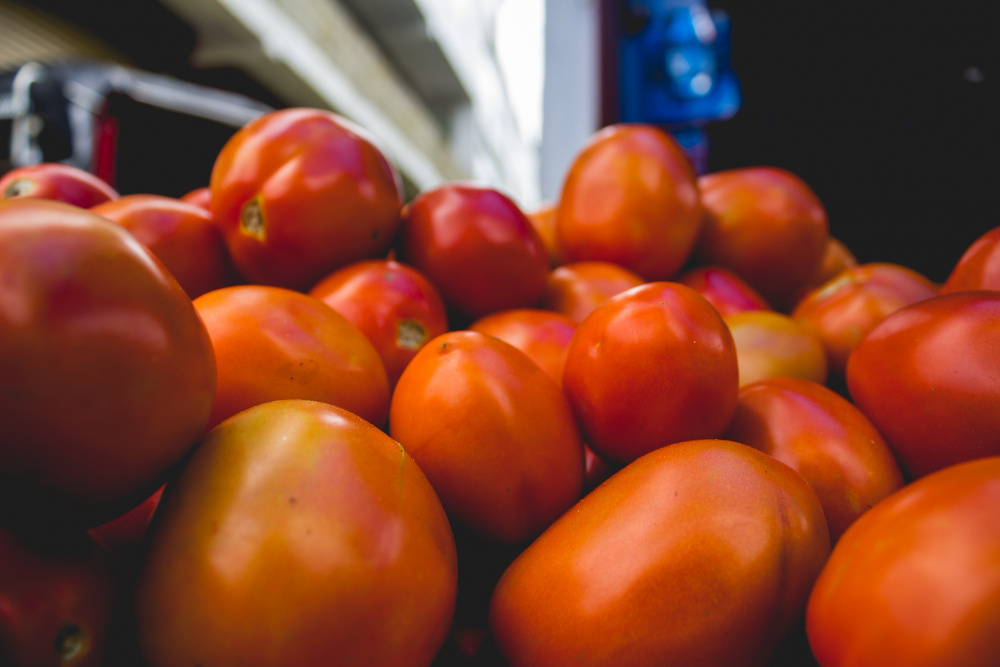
<point x="888" y="109"/>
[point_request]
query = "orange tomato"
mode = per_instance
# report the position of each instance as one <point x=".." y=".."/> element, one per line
<point x="541" y="335"/>
<point x="979" y="266"/>
<point x="836" y="258"/>
<point x="201" y="197"/>
<point x="543" y="219"/>
<point x="576" y="289"/>
<point x="60" y="182"/>
<point x="770" y="345"/>
<point x="726" y="291"/>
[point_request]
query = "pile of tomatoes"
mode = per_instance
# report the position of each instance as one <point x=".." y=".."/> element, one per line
<point x="288" y="420"/>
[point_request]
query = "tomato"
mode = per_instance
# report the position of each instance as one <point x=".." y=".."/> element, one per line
<point x="596" y="470"/>
<point x="61" y="182"/>
<point x="298" y="534"/>
<point x="477" y="247"/>
<point x="543" y="219"/>
<point x="630" y="198"/>
<point x="700" y="553"/>
<point x="979" y="266"/>
<point x="576" y="289"/>
<point x="541" y="335"/>
<point x="108" y="372"/>
<point x="836" y="258"/>
<point x="772" y="345"/>
<point x="649" y="367"/>
<point x="392" y="304"/>
<point x="915" y="581"/>
<point x="823" y="438"/>
<point x="127" y="531"/>
<point x="726" y="291"/>
<point x="766" y="225"/>
<point x="843" y="311"/>
<point x="928" y="377"/>
<point x="492" y="432"/>
<point x="299" y="193"/>
<point x="272" y="343"/>
<point x="201" y="197"/>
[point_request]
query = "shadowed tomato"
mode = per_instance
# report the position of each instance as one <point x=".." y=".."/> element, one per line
<point x="915" y="581"/>
<point x="541" y="335"/>
<point x="596" y="470"/>
<point x="492" y="432"/>
<point x="61" y="182"/>
<point x="107" y="370"/>
<point x="298" y="534"/>
<point x="836" y="258"/>
<point x="649" y="367"/>
<point x="182" y="236"/>
<point x="700" y="553"/>
<point x="299" y="193"/>
<point x="823" y="438"/>
<point x="393" y="305"/>
<point x="770" y="345"/>
<point x="845" y="309"/>
<point x="576" y="289"/>
<point x="127" y="531"/>
<point x="726" y="291"/>
<point x="201" y="197"/>
<point x="272" y="343"/>
<point x="544" y="221"/>
<point x="630" y="198"/>
<point x="928" y="377"/>
<point x="766" y="225"/>
<point x="477" y="247"/>
<point x="979" y="266"/>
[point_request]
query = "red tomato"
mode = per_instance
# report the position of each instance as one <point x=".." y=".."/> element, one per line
<point x="596" y="470"/>
<point x="492" y="432"/>
<point x="630" y="198"/>
<point x="393" y="305"/>
<point x="477" y="247"/>
<point x="541" y="335"/>
<point x="770" y="345"/>
<point x="726" y="291"/>
<point x="916" y="580"/>
<point x="836" y="258"/>
<point x="649" y="367"/>
<point x="299" y="193"/>
<point x="108" y="372"/>
<point x="979" y="267"/>
<point x="543" y="220"/>
<point x="298" y="534"/>
<point x="576" y="289"/>
<point x="272" y="343"/>
<point x="61" y="182"/>
<point x="127" y="531"/>
<point x="928" y="377"/>
<point x="201" y="197"/>
<point x="700" y="553"/>
<point x="823" y="438"/>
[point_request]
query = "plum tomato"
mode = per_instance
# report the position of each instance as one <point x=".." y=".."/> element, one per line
<point x="700" y="553"/>
<point x="477" y="247"/>
<point x="576" y="289"/>
<point x="979" y="266"/>
<point x="271" y="343"/>
<point x="725" y="290"/>
<point x="915" y="581"/>
<point x="630" y="198"/>
<point x="392" y="304"/>
<point x="492" y="432"/>
<point x="543" y="219"/>
<point x="201" y="197"/>
<point x="56" y="181"/>
<point x="299" y="193"/>
<point x="652" y="366"/>
<point x="541" y="335"/>
<point x="836" y="258"/>
<point x="297" y="534"/>
<point x="824" y="438"/>
<point x="127" y="531"/>
<point x="770" y="344"/>
<point x="928" y="377"/>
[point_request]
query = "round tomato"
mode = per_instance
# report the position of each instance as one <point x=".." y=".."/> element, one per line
<point x="772" y="345"/>
<point x="541" y="335"/>
<point x="576" y="289"/>
<point x="201" y="197"/>
<point x="726" y="291"/>
<point x="543" y="220"/>
<point x="979" y="266"/>
<point x="61" y="182"/>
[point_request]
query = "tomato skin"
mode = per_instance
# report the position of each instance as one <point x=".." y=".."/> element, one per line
<point x="770" y="344"/>
<point x="501" y="447"/>
<point x="392" y="304"/>
<point x="127" y="531"/>
<point x="541" y="335"/>
<point x="837" y="257"/>
<point x="700" y="553"/>
<point x="325" y="195"/>
<point x="915" y="581"/>
<point x="576" y="289"/>
<point x="201" y="197"/>
<point x="725" y="290"/>
<point x="928" y="377"/>
<point x="56" y="181"/>
<point x="652" y="366"/>
<point x="298" y="534"/>
<point x="543" y="219"/>
<point x="979" y="266"/>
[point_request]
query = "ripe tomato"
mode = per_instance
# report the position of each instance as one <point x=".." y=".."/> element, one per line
<point x="770" y="345"/>
<point x="127" y="531"/>
<point x="272" y="343"/>
<point x="726" y="291"/>
<point x="630" y="198"/>
<point x="929" y="378"/>
<point x="649" y="367"/>
<point x="576" y="289"/>
<point x="543" y="220"/>
<point x="979" y="266"/>
<point x="492" y="432"/>
<point x="596" y="470"/>
<point x="477" y="247"/>
<point x="541" y="335"/>
<point x="201" y="197"/>
<point x="299" y="193"/>
<point x="700" y="553"/>
<point x="392" y="304"/>
<point x="823" y="438"/>
<point x="836" y="258"/>
<point x="108" y="372"/>
<point x="915" y="580"/>
<point x="61" y="182"/>
<point x="298" y="534"/>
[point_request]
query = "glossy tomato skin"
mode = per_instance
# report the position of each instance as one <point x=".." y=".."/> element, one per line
<point x="298" y="534"/>
<point x="770" y="344"/>
<point x="541" y="335"/>
<point x="56" y="181"/>
<point x="824" y="438"/>
<point x="201" y="197"/>
<point x="915" y="581"/>
<point x="543" y="219"/>
<point x="726" y="291"/>
<point x="652" y="366"/>
<point x="100" y="349"/>
<point x="477" y="247"/>
<point x="929" y="379"/>
<point x="979" y="266"/>
<point x="299" y="193"/>
<point x="392" y="304"/>
<point x="700" y="553"/>
<point x="493" y="434"/>
<point x="576" y="289"/>
<point x="272" y="344"/>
